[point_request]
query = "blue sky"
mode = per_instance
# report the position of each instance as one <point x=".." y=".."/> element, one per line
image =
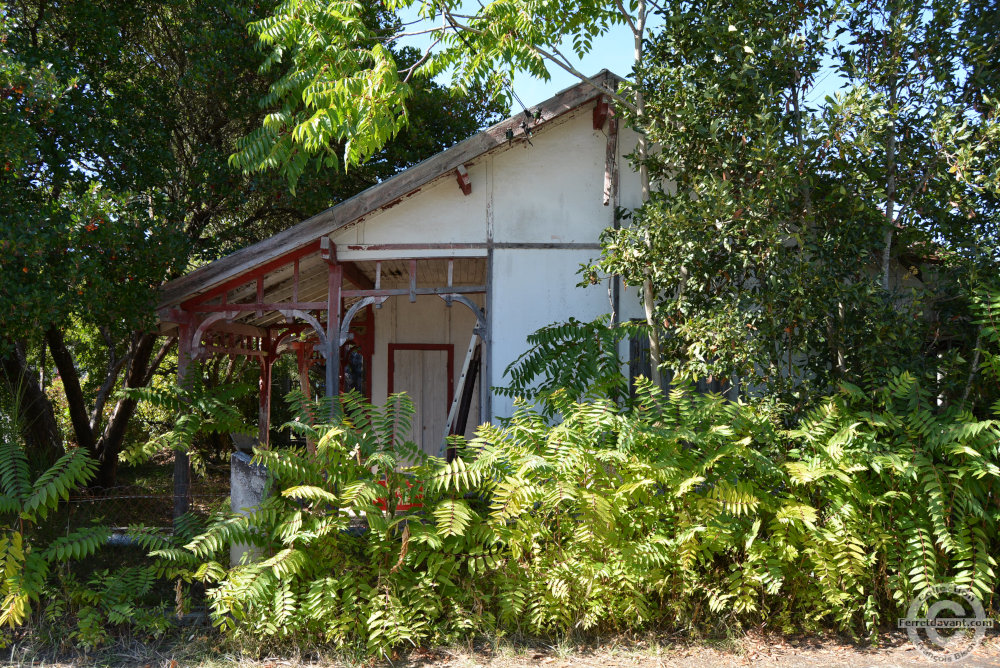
<point x="613" y="51"/>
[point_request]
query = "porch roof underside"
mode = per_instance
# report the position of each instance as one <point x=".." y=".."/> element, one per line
<point x="277" y="287"/>
<point x="251" y="259"/>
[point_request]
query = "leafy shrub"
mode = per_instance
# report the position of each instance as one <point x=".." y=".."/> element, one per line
<point x="199" y="411"/>
<point x="574" y="358"/>
<point x="27" y="555"/>
<point x="86" y="612"/>
<point x="681" y="510"/>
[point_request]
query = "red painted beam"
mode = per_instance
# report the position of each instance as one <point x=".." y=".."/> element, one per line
<point x="248" y="276"/>
<point x="463" y="180"/>
<point x="266" y="306"/>
<point x="405" y="247"/>
<point x="601" y="113"/>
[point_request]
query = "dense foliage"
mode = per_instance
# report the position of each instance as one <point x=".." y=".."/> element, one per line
<point x="680" y="511"/>
<point x="829" y="254"/>
<point x="827" y="192"/>
<point x="28" y="552"/>
<point x="345" y="89"/>
<point x="195" y="411"/>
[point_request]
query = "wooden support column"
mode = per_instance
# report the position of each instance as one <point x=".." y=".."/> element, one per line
<point x="264" y="413"/>
<point x="335" y="283"/>
<point x="182" y="462"/>
<point x="611" y="197"/>
<point x="303" y="356"/>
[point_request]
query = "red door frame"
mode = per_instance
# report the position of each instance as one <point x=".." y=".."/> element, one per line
<point x="447" y="347"/>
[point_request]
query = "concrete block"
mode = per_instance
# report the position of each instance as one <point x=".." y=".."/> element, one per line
<point x="248" y="485"/>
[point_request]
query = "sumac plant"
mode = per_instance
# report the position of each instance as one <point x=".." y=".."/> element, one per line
<point x="681" y="510"/>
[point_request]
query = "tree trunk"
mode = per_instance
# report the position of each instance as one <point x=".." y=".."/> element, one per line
<point x="973" y="368"/>
<point x="139" y="374"/>
<point x="103" y="449"/>
<point x="36" y="420"/>
<point x="642" y="151"/>
<point x="78" y="414"/>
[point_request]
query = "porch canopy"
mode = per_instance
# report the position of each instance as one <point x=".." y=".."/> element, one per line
<point x="301" y="292"/>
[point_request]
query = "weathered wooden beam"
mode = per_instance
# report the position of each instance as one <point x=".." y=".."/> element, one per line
<point x="251" y="274"/>
<point x="400" y="292"/>
<point x="357" y="277"/>
<point x="611" y="163"/>
<point x="413" y="281"/>
<point x="334" y="298"/>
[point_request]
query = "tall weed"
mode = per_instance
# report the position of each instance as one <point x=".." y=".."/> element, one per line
<point x="678" y="511"/>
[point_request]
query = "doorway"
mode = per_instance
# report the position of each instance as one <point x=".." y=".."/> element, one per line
<point x="425" y="371"/>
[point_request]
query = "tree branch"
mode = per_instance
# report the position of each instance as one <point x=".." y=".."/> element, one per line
<point x="111" y="378"/>
<point x="155" y="363"/>
<point x="628" y="17"/>
<point x="409" y="71"/>
<point x="584" y="78"/>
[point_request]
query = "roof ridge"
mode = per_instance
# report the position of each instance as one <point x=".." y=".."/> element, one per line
<point x="379" y="195"/>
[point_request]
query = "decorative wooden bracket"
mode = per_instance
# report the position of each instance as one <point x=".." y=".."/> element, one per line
<point x="463" y="179"/>
<point x="601" y="113"/>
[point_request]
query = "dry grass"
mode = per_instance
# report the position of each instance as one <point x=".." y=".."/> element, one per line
<point x="202" y="649"/>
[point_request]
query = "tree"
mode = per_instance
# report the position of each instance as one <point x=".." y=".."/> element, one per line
<point x="786" y="252"/>
<point x="69" y="239"/>
<point x="129" y="184"/>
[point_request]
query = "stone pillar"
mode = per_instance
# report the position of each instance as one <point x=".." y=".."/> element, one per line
<point x="248" y="484"/>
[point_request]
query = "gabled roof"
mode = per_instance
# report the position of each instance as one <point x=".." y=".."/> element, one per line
<point x="380" y="195"/>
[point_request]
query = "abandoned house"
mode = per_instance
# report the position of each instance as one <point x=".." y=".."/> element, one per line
<point x="430" y="281"/>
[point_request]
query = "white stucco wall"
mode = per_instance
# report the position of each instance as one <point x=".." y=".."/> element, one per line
<point x="523" y="196"/>
<point x="437" y="213"/>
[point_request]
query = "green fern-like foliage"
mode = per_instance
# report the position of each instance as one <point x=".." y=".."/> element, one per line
<point x="198" y="410"/>
<point x="986" y="374"/>
<point x="575" y="359"/>
<point x="25" y="561"/>
<point x="678" y="509"/>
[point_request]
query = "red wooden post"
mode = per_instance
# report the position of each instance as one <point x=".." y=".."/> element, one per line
<point x="264" y="414"/>
<point x="335" y="284"/>
<point x="303" y="355"/>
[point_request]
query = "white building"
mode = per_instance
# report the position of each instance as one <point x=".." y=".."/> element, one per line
<point x="485" y="238"/>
